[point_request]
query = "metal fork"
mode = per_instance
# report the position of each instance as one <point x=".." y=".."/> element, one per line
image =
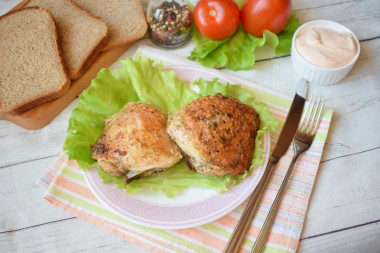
<point x="302" y="141"/>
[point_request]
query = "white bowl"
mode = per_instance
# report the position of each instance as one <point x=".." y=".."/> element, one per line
<point x="320" y="75"/>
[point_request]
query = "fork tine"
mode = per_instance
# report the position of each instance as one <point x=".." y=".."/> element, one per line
<point x="319" y="110"/>
<point x="312" y="115"/>
<point x="306" y="110"/>
<point x="305" y="121"/>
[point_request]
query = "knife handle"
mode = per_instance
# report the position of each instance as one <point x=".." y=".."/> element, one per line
<point x="237" y="237"/>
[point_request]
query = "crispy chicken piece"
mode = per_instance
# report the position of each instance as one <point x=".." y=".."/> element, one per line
<point x="135" y="142"/>
<point x="216" y="134"/>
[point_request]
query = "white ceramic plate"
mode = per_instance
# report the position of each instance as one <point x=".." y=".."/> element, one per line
<point x="194" y="207"/>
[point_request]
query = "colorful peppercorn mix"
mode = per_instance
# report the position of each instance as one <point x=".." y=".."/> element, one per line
<point x="170" y="24"/>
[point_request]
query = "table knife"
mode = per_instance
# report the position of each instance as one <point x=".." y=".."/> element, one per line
<point x="284" y="140"/>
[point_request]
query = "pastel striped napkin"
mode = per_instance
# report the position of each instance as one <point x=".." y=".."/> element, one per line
<point x="67" y="189"/>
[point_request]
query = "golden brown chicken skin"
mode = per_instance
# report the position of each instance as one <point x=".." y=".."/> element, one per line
<point x="135" y="140"/>
<point x="216" y="134"/>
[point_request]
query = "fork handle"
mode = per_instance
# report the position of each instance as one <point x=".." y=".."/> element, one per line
<point x="266" y="228"/>
<point x="233" y="245"/>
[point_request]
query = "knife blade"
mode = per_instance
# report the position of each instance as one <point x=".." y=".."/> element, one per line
<point x="292" y="120"/>
<point x="284" y="140"/>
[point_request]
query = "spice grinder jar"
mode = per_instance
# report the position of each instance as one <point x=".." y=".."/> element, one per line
<point x="170" y="22"/>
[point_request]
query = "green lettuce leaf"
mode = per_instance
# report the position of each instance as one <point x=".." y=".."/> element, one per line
<point x="237" y="52"/>
<point x="285" y="37"/>
<point x="143" y="79"/>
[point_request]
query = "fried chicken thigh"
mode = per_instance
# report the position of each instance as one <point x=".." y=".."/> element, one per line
<point x="216" y="134"/>
<point x="135" y="141"/>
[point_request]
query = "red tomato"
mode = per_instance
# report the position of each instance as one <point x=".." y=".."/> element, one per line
<point x="259" y="15"/>
<point x="216" y="19"/>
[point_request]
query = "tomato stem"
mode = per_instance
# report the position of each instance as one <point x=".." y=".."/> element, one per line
<point x="212" y="13"/>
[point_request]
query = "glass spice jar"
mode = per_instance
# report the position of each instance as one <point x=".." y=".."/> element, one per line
<point x="170" y="22"/>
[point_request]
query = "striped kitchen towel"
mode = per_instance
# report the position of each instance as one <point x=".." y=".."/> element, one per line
<point x="67" y="189"/>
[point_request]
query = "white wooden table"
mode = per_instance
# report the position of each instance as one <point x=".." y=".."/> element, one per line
<point x="344" y="212"/>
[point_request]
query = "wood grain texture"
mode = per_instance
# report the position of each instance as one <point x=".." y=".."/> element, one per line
<point x="358" y="239"/>
<point x="344" y="210"/>
<point x="66" y="235"/>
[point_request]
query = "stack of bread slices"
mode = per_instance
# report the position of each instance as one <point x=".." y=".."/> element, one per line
<point x="46" y="44"/>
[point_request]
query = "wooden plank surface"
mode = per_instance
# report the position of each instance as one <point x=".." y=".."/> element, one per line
<point x="66" y="235"/>
<point x="363" y="238"/>
<point x="344" y="210"/>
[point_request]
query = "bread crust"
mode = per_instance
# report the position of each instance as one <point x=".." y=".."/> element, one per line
<point x="96" y="49"/>
<point x="111" y="44"/>
<point x="131" y="40"/>
<point x="31" y="103"/>
<point x="86" y="61"/>
<point x="27" y="105"/>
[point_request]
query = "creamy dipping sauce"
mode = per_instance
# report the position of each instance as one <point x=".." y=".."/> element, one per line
<point x="325" y="47"/>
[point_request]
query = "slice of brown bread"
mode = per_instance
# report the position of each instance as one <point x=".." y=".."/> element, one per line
<point x="82" y="34"/>
<point x="31" y="67"/>
<point x="124" y="18"/>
